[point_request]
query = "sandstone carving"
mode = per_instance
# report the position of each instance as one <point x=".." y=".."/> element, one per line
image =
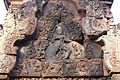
<point x="59" y="40"/>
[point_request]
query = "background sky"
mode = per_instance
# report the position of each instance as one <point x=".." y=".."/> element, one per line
<point x="116" y="11"/>
<point x="3" y="12"/>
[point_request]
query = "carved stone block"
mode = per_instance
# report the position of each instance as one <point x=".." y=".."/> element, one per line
<point x="74" y="68"/>
<point x="83" y="67"/>
<point x="53" y="70"/>
<point x="7" y="63"/>
<point x="30" y="67"/>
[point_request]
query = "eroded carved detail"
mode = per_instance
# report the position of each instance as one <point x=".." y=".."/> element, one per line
<point x="11" y="32"/>
<point x="63" y="41"/>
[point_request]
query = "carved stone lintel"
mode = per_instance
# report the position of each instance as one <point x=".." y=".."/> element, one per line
<point x="63" y="68"/>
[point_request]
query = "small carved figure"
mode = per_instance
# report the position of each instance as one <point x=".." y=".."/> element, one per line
<point x="57" y="44"/>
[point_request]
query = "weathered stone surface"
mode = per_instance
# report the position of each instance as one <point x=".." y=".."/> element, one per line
<point x="65" y="68"/>
<point x="7" y="63"/>
<point x="2" y="77"/>
<point x="93" y="51"/>
<point x="29" y="67"/>
<point x="53" y="70"/>
<point x="9" y="35"/>
<point x="114" y="51"/>
<point x="59" y="40"/>
<point x="115" y="77"/>
<point x="82" y="67"/>
<point x="102" y="78"/>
